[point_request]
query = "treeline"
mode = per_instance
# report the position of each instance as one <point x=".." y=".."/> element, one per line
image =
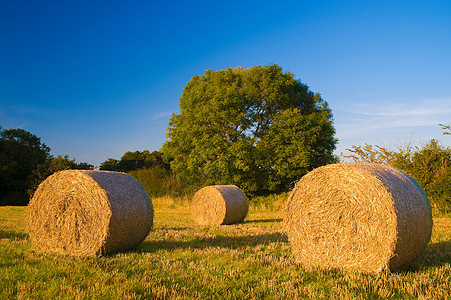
<point x="429" y="165"/>
<point x="258" y="128"/>
<point x="24" y="163"/>
<point x="131" y="161"/>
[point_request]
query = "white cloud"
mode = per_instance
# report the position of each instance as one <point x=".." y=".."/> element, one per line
<point x="370" y="118"/>
<point x="162" y="115"/>
<point x="416" y="112"/>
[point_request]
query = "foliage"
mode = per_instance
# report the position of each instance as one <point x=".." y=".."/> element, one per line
<point x="20" y="153"/>
<point x="429" y="165"/>
<point x="446" y="128"/>
<point x="159" y="181"/>
<point x="275" y="202"/>
<point x="150" y="170"/>
<point x="50" y="166"/>
<point x="182" y="260"/>
<point x="24" y="163"/>
<point x="258" y="128"/>
<point x="110" y="164"/>
<point x="134" y="161"/>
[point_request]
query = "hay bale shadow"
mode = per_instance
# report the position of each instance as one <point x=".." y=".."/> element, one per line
<point x="230" y="242"/>
<point x="435" y="255"/>
<point x="12" y="235"/>
<point x="274" y="220"/>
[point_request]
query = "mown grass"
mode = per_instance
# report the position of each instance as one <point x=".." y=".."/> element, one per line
<point x="182" y="260"/>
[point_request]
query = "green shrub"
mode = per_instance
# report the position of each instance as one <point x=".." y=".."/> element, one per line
<point x="274" y="202"/>
<point x="429" y="165"/>
<point x="160" y="182"/>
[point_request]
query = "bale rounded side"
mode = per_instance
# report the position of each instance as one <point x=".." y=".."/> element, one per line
<point x="219" y="205"/>
<point x="89" y="213"/>
<point x="367" y="217"/>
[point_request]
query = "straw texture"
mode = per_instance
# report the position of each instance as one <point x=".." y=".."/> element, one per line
<point x="219" y="205"/>
<point x="89" y="213"/>
<point x="366" y="217"/>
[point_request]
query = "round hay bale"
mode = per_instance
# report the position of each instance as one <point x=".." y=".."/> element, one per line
<point x="366" y="217"/>
<point x="89" y="213"/>
<point x="219" y="205"/>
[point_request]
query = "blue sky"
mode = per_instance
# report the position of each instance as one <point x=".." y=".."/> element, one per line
<point x="95" y="79"/>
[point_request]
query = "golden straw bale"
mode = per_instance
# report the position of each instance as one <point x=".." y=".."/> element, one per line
<point x="219" y="205"/>
<point x="360" y="216"/>
<point x="89" y="213"/>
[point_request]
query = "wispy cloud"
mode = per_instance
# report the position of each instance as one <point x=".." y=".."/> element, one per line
<point x="161" y="115"/>
<point x="369" y="118"/>
<point x="416" y="112"/>
<point x="405" y="109"/>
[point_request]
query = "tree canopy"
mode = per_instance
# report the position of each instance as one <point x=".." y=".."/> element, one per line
<point x="136" y="160"/>
<point x="258" y="128"/>
<point x="20" y="153"/>
<point x="24" y="163"/>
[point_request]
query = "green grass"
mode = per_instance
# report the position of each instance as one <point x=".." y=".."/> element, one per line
<point x="180" y="259"/>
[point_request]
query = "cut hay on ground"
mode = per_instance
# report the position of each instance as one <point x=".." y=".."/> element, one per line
<point x="219" y="205"/>
<point x="366" y="217"/>
<point x="89" y="213"/>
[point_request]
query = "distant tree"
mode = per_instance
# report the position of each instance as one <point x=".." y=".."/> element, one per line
<point x="20" y="153"/>
<point x="84" y="166"/>
<point x="50" y="166"/>
<point x="110" y="164"/>
<point x="258" y="128"/>
<point x="155" y="158"/>
<point x="134" y="161"/>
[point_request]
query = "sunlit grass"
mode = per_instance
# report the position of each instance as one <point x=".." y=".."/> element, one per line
<point x="180" y="259"/>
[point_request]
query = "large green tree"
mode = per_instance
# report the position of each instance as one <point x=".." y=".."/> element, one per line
<point x="21" y="152"/>
<point x="258" y="128"/>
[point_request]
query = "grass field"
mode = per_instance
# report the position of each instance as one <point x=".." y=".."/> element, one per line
<point x="182" y="260"/>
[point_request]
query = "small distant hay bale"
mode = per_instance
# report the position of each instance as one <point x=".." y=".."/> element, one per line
<point x="367" y="217"/>
<point x="89" y="213"/>
<point x="219" y="205"/>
